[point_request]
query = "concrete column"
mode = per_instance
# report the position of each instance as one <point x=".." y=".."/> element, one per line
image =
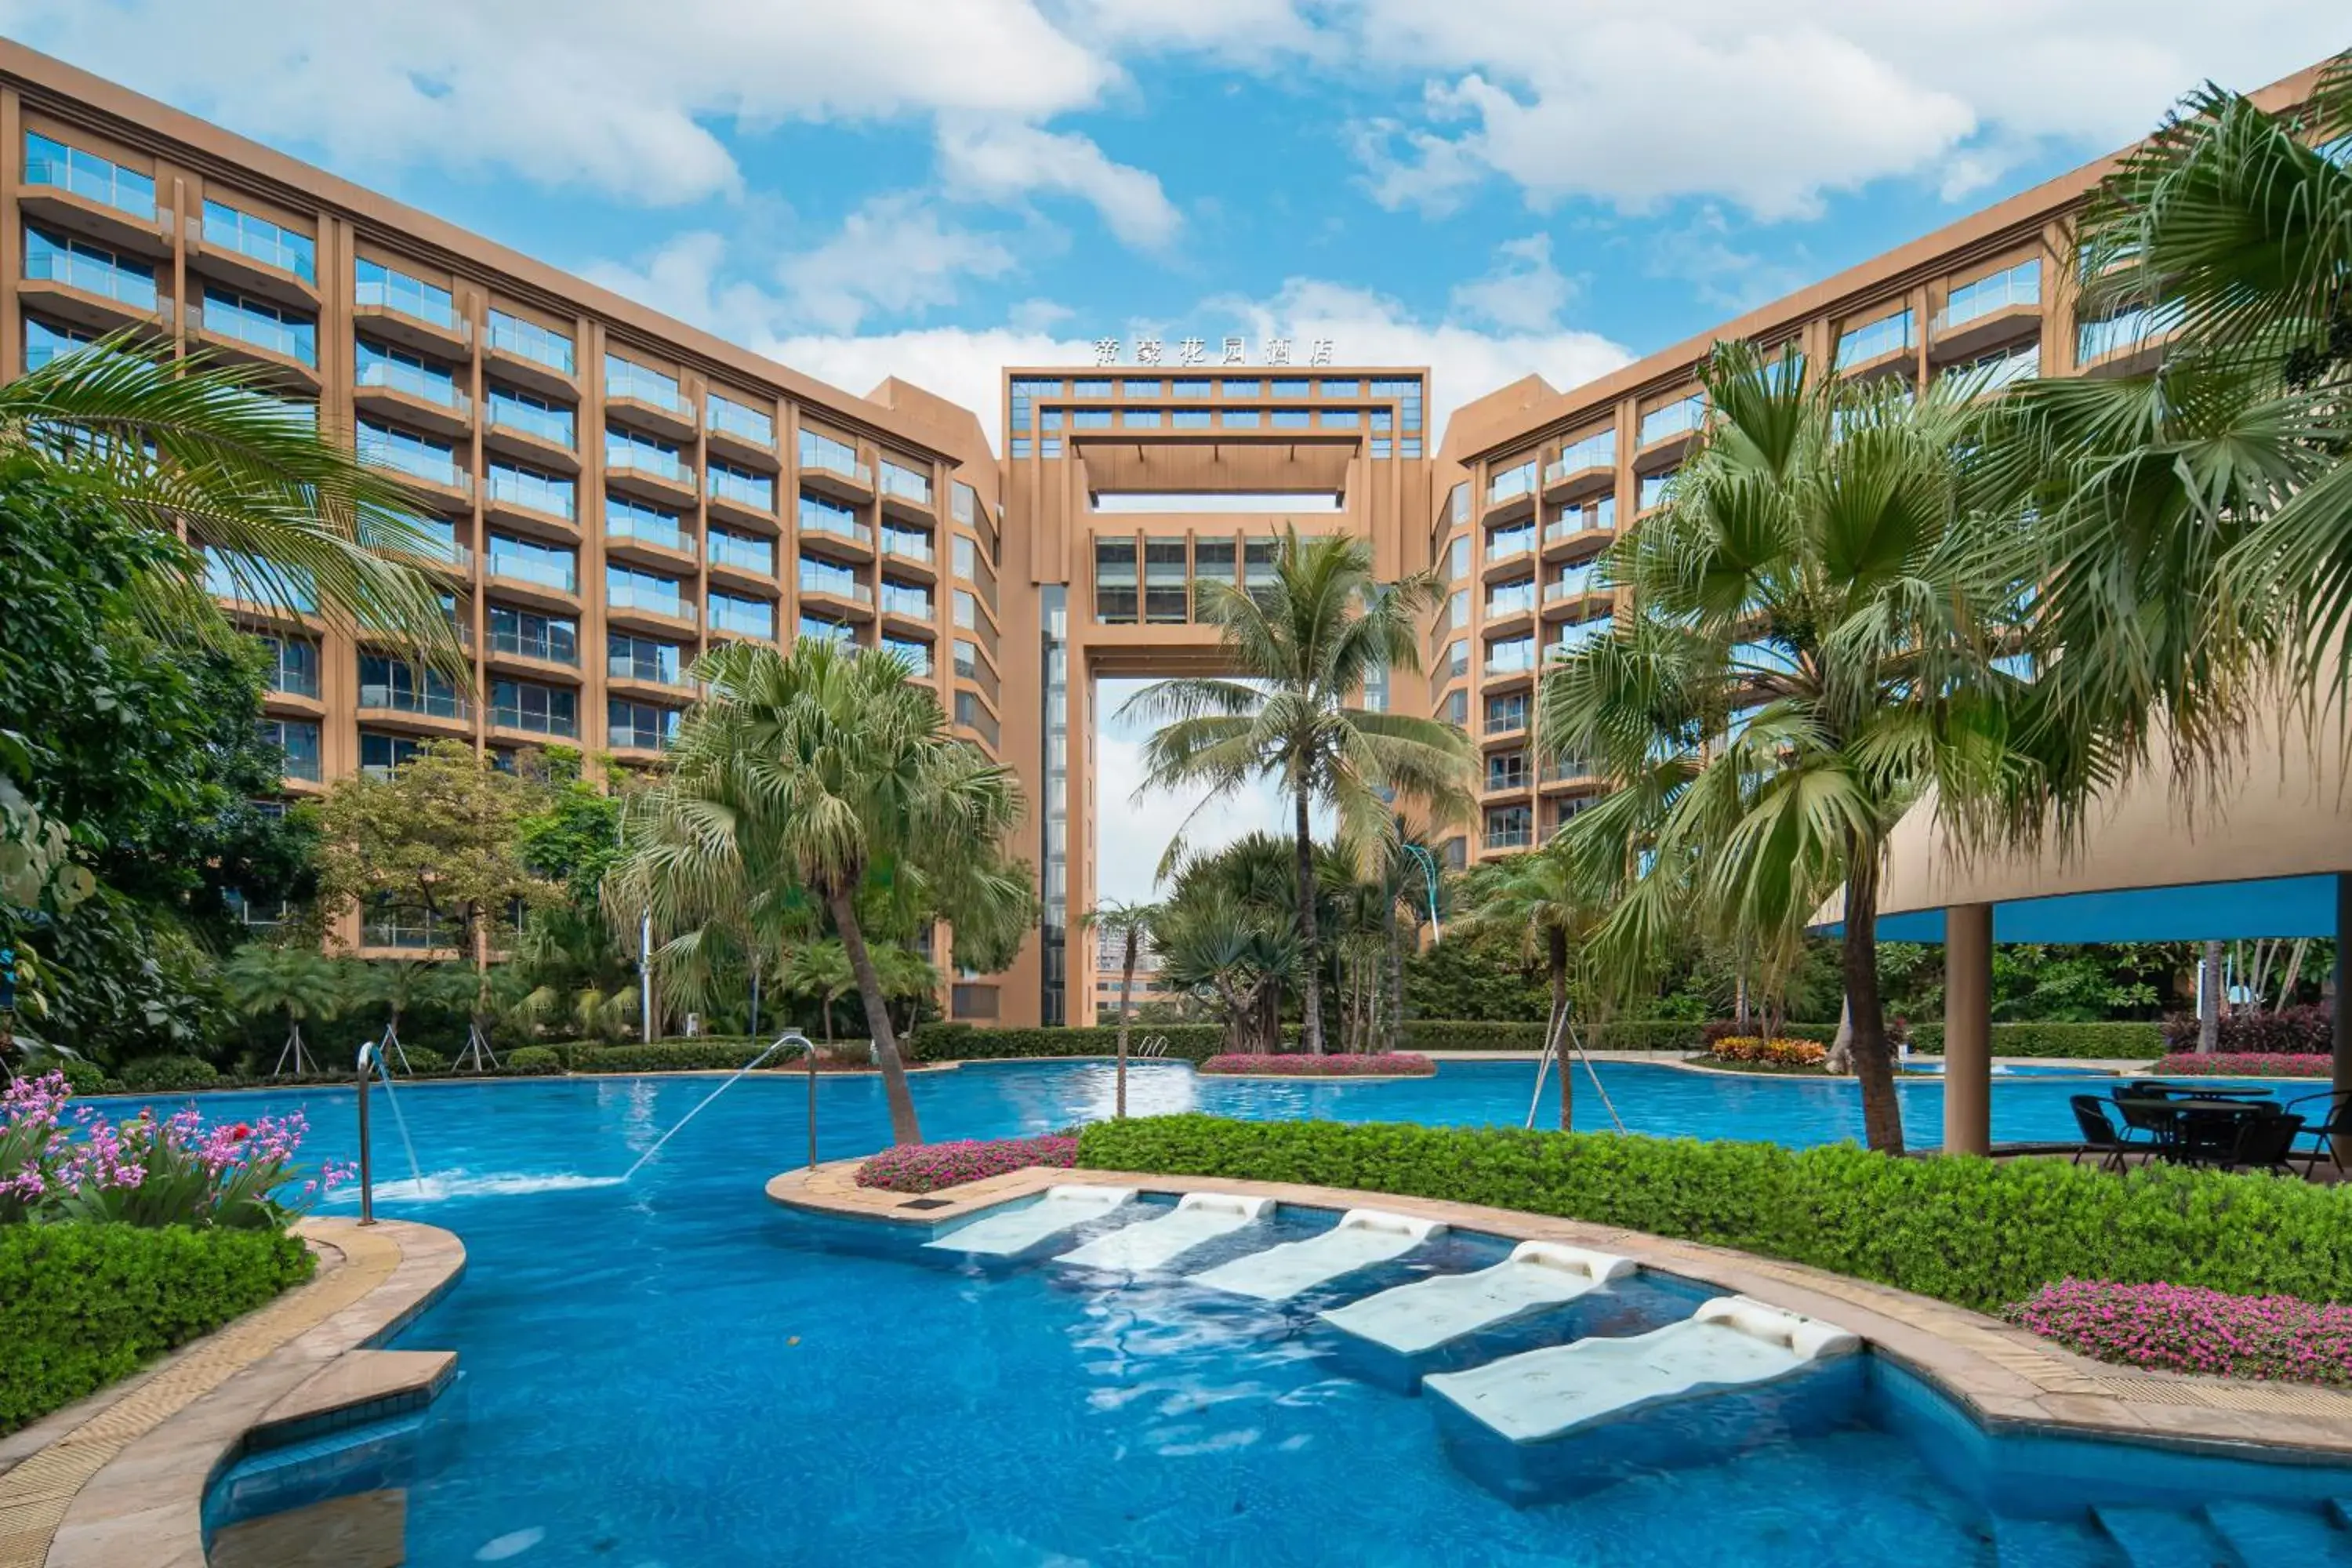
<point x="1967" y="1029"/>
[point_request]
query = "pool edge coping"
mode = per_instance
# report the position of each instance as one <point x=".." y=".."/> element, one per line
<point x="2007" y="1379"/>
<point x="124" y="1479"/>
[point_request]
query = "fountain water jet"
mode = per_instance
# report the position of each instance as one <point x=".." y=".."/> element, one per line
<point x="788" y="1037"/>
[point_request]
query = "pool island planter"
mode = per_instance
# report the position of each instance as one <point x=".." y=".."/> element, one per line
<point x="1389" y="1068"/>
<point x="2006" y="1380"/>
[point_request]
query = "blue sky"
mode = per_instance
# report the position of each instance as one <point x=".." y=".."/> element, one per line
<point x="935" y="188"/>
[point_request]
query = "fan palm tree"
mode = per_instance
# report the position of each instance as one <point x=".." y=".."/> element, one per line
<point x="294" y="521"/>
<point x="820" y="970"/>
<point x="1547" y="900"/>
<point x="818" y="768"/>
<point x="299" y="982"/>
<point x="1130" y="925"/>
<point x="1816" y="637"/>
<point x="1241" y="955"/>
<point x="1304" y="645"/>
<point x="398" y="985"/>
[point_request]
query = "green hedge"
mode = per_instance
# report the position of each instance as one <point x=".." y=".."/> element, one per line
<point x="2098" y="1042"/>
<point x="1976" y="1232"/>
<point x="968" y="1042"/>
<point x="669" y="1056"/>
<point x="149" y="1074"/>
<point x="82" y="1305"/>
<point x="530" y="1061"/>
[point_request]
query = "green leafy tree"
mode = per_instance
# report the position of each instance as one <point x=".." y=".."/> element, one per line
<point x="815" y="769"/>
<point x="1815" y="639"/>
<point x="1304" y="645"/>
<point x="262" y="978"/>
<point x="1130" y="925"/>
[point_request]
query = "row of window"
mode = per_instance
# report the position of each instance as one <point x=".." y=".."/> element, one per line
<point x="1026" y="391"/>
<point x="1163" y="596"/>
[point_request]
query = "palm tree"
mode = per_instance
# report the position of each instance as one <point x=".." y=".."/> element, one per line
<point x="1240" y="954"/>
<point x="1304" y="645"/>
<point x="815" y="769"/>
<point x="1815" y="638"/>
<point x="299" y="982"/>
<point x="398" y="985"/>
<point x="1130" y="925"/>
<point x="821" y="972"/>
<point x="1545" y="899"/>
<point x="294" y="521"/>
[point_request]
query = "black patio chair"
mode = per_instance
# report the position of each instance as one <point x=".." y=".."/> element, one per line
<point x="2099" y="1134"/>
<point x="2336" y="1124"/>
<point x="2149" y="1114"/>
<point x="2264" y="1141"/>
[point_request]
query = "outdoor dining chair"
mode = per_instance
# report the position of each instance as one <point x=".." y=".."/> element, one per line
<point x="2099" y="1134"/>
<point x="2337" y="1124"/>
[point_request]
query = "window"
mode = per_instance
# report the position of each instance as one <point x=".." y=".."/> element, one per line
<point x="1166" y="582"/>
<point x="640" y="726"/>
<point x="1510" y="828"/>
<point x="1115" y="601"/>
<point x="1406" y="394"/>
<point x="1343" y="419"/>
<point x="1189" y="387"/>
<point x="1260" y="558"/>
<point x="1189" y="419"/>
<point x="820" y="515"/>
<point x="973" y="716"/>
<point x="550" y="566"/>
<point x="1340" y="389"/>
<point x="1139" y="418"/>
<point x="1506" y="715"/>
<point x="1456" y="662"/>
<point x="628" y="588"/>
<point x="1050" y="447"/>
<point x="975" y="571"/>
<point x="967" y="611"/>
<point x="1677" y="418"/>
<point x="731" y="417"/>
<point x="915" y="653"/>
<point x="397" y="370"/>
<point x="525" y="634"/>
<point x="53" y="163"/>
<point x="1024" y="392"/>
<point x="532" y="415"/>
<point x="1457" y="559"/>
<point x="379" y="286"/>
<point x="909" y="599"/>
<point x="741" y="485"/>
<point x="291" y="666"/>
<point x="379" y="752"/>
<point x="1212" y="560"/>
<point x="907" y="484"/>
<point x="1874" y="340"/>
<point x="963" y="503"/>
<point x="1139" y="389"/>
<point x="44" y="342"/>
<point x="513" y="484"/>
<point x="1089" y="419"/>
<point x="1021" y="446"/>
<point x="262" y="325"/>
<point x="299" y="739"/>
<point x="405" y="452"/>
<point x="741" y="551"/>
<point x="744" y="617"/>
<point x="1511" y="483"/>
<point x="1293" y="418"/>
<point x="641" y="384"/>
<point x="630" y="658"/>
<point x="528" y="340"/>
<point x="1655" y="489"/>
<point x="405" y="688"/>
<point x="818" y="576"/>
<point x="1291" y="389"/>
<point x="969" y="666"/>
<point x="1090" y="389"/>
<point x="1241" y="389"/>
<point x="1457" y="708"/>
<point x="1242" y="418"/>
<point x="819" y="450"/>
<point x="92" y="268"/>
<point x="1506" y="770"/>
<point x="2018" y="285"/>
<point x="642" y="454"/>
<point x="825" y="628"/>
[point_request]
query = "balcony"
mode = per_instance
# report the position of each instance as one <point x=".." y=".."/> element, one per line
<point x="288" y="349"/>
<point x="662" y="677"/>
<point x="835" y="532"/>
<point x="548" y="437"/>
<point x="1509" y="550"/>
<point x="646" y="399"/>
<point x="428" y="468"/>
<point x="1580" y="529"/>
<point x="751" y="559"/>
<point x="647" y="469"/>
<point x="1667" y="429"/>
<point x="434" y="708"/>
<point x="906" y="603"/>
<point x="905" y="548"/>
<point x="834" y="467"/>
<point x="752" y="497"/>
<point x="409" y="312"/>
<point x="540" y="653"/>
<point x="837" y="591"/>
<point x="547" y="504"/>
<point x="630" y="534"/>
<point x="414" y="396"/>
<point x="535" y="578"/>
<point x="1589" y="464"/>
<point x="444" y="556"/>
<point x="90" y="195"/>
<point x="1886" y="346"/>
<point x="739" y="431"/>
<point x="1511" y="835"/>
<point x="1507" y="661"/>
<point x="752" y="618"/>
<point x="256" y="256"/>
<point x="534" y="356"/>
<point x="665" y="611"/>
<point x="2126" y="343"/>
<point x="1513" y="602"/>
<point x="1571" y="591"/>
<point x="1987" y="313"/>
<point x="1511" y="492"/>
<point x="907" y="492"/>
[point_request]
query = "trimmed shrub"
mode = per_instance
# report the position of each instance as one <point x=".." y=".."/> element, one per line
<point x="2290" y="1031"/>
<point x="532" y="1061"/>
<point x="669" y="1056"/>
<point x="81" y="1074"/>
<point x="1976" y="1232"/>
<point x="927" y="1167"/>
<point x="967" y="1042"/>
<point x="151" y="1075"/>
<point x="82" y="1305"/>
<point x="1779" y="1051"/>
<point x="2249" y="1066"/>
<point x="422" y="1060"/>
<point x="1398" y="1064"/>
<point x="2177" y="1329"/>
<point x="2122" y="1041"/>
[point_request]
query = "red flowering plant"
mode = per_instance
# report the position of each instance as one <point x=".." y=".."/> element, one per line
<point x="146" y="1171"/>
<point x="1391" y="1063"/>
<point x="2246" y="1065"/>
<point x="927" y="1167"/>
<point x="2178" y="1328"/>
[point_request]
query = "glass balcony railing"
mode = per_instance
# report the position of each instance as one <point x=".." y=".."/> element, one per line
<point x="418" y="460"/>
<point x="907" y="546"/>
<point x="397" y="375"/>
<point x="912" y="603"/>
<point x="743" y="617"/>
<point x="257" y="326"/>
<point x="535" y="492"/>
<point x="634" y="382"/>
<point x="818" y="452"/>
<point x="732" y="418"/>
<point x="916" y="654"/>
<point x="1592" y="452"/>
<point x="86" y="175"/>
<point x="541" y="567"/>
<point x="757" y="557"/>
<point x="906" y="483"/>
<point x="1679" y="417"/>
<point x="1875" y="340"/>
<point x="553" y="426"/>
<point x="641" y="527"/>
<point x="841" y="585"/>
<point x="655" y="668"/>
<point x="375" y="287"/>
<point x="434" y="701"/>
<point x="1503" y="545"/>
<point x="815" y="516"/>
<point x="228" y="228"/>
<point x="1518" y="599"/>
<point x="1511" y="483"/>
<point x="757" y="491"/>
<point x="651" y="600"/>
<point x="626" y="455"/>
<point x="90" y="270"/>
<point x="2123" y="331"/>
<point x="528" y="340"/>
<point x="1511" y="658"/>
<point x="2018" y="285"/>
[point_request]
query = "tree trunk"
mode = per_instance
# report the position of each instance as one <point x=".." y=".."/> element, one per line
<point x="1873" y="1062"/>
<point x="1556" y="957"/>
<point x="1311" y="1024"/>
<point x="904" y="1128"/>
<point x="1125" y="994"/>
<point x="2209" y="1000"/>
<point x="755" y="1000"/>
<point x="1395" y="980"/>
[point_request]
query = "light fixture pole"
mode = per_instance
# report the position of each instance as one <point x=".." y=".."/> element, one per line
<point x="1429" y="873"/>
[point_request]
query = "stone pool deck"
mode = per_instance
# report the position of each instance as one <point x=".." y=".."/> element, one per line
<point x="119" y="1478"/>
<point x="2004" y="1376"/>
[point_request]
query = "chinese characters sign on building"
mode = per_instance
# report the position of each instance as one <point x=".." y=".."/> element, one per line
<point x="1197" y="352"/>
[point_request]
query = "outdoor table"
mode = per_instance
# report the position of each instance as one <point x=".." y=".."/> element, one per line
<point x="2193" y="1129"/>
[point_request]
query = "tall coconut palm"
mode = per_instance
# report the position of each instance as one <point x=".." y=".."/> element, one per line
<point x="1303" y="646"/>
<point x="1815" y="638"/>
<point x="292" y="520"/>
<point x="1545" y="899"/>
<point x="297" y="981"/>
<point x="1131" y="926"/>
<point x="819" y="768"/>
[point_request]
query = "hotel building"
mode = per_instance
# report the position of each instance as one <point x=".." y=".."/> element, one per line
<point x="612" y="492"/>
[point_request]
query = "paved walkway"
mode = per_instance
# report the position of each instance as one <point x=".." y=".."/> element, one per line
<point x="119" y="1478"/>
<point x="2005" y="1376"/>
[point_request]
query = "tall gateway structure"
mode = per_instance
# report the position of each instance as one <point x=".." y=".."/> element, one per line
<point x="613" y="490"/>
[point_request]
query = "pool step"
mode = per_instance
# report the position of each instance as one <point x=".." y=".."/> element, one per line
<point x="2050" y="1543"/>
<point x="2165" y="1537"/>
<point x="2264" y="1534"/>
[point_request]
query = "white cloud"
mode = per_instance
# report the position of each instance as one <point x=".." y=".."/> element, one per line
<point x="895" y="254"/>
<point x="1248" y="31"/>
<point x="1138" y="828"/>
<point x="1525" y="293"/>
<point x="1005" y="162"/>
<point x="1700" y="253"/>
<point x="615" y="95"/>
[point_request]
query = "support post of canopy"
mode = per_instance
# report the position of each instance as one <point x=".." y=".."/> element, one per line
<point x="1967" y="1029"/>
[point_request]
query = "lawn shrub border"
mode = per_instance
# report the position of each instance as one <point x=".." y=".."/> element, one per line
<point x="1975" y="1232"/>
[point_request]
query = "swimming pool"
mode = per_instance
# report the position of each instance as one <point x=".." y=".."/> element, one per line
<point x="673" y="1372"/>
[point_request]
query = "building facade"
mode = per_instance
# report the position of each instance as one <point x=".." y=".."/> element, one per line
<point x="612" y="492"/>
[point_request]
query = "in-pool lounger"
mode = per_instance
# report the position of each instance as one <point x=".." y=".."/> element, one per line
<point x="1151" y="1244"/>
<point x="1361" y="1239"/>
<point x="1730" y="1342"/>
<point x="1009" y="1231"/>
<point x="1428" y="1312"/>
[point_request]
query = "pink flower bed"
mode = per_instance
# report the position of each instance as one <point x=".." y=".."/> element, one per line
<point x="927" y="1167"/>
<point x="2240" y="1064"/>
<point x="1402" y="1064"/>
<point x="2176" y="1328"/>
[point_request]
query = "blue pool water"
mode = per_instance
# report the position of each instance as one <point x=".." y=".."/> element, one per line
<point x="676" y="1372"/>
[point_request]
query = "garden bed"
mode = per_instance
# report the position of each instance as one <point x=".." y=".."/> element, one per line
<point x="927" y="1167"/>
<point x="1400" y="1064"/>
<point x="2173" y="1328"/>
<point x="1714" y="1063"/>
<point x="2244" y="1063"/>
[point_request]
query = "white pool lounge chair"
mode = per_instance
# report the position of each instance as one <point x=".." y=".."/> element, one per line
<point x="1428" y="1312"/>
<point x="1361" y="1239"/>
<point x="1008" y="1231"/>
<point x="1151" y="1244"/>
<point x="1730" y="1342"/>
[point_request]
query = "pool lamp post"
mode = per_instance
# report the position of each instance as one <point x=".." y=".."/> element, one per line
<point x="367" y="1155"/>
<point x="1429" y="872"/>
